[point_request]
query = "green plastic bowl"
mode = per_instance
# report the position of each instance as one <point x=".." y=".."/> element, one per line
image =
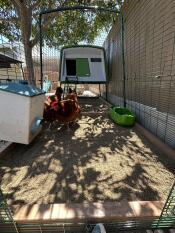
<point x="122" y="116"/>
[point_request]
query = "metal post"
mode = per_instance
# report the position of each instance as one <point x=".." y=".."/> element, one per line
<point x="99" y="90"/>
<point x="123" y="61"/>
<point x="41" y="52"/>
<point x="106" y="91"/>
<point x="22" y="71"/>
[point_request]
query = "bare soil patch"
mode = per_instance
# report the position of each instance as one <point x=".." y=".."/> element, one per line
<point x="95" y="160"/>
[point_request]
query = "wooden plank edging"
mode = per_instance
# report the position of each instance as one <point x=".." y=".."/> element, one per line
<point x="167" y="150"/>
<point x="107" y="211"/>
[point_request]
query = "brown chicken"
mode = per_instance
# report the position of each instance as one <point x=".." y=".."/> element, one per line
<point x="64" y="111"/>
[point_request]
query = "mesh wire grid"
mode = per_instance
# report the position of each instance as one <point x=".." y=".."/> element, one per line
<point x="149" y="41"/>
<point x="149" y="55"/>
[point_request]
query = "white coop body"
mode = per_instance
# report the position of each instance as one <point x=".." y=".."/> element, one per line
<point x="21" y="108"/>
<point x="83" y="64"/>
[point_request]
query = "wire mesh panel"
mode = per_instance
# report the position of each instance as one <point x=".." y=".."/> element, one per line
<point x="152" y="99"/>
<point x="6" y="219"/>
<point x="149" y="41"/>
<point x="167" y="218"/>
<point x="84" y="26"/>
<point x="11" y="50"/>
<point x="11" y="60"/>
<point x="113" y="46"/>
<point x="14" y="55"/>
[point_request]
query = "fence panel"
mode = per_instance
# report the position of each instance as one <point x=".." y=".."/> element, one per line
<point x="149" y="40"/>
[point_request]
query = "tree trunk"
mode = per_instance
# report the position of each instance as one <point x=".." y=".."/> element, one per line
<point x="29" y="63"/>
<point x="26" y="27"/>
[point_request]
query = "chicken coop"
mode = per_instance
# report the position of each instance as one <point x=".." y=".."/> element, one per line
<point x="83" y="64"/>
<point x="22" y="112"/>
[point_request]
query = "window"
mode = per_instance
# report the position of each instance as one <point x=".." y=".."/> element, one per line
<point x="95" y="59"/>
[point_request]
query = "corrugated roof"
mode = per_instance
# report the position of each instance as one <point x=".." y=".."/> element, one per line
<point x="8" y="60"/>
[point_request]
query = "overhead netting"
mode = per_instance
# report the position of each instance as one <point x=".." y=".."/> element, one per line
<point x="70" y="28"/>
<point x="63" y="28"/>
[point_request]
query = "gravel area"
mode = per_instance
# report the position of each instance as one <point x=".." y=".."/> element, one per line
<point x="95" y="160"/>
<point x="92" y="105"/>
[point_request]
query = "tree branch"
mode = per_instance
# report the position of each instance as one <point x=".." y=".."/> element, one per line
<point x="35" y="5"/>
<point x="16" y="3"/>
<point x="17" y="7"/>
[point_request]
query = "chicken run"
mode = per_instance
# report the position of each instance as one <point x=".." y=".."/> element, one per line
<point x="90" y="140"/>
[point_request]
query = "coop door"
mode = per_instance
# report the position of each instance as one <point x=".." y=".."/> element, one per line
<point x="82" y="67"/>
<point x="71" y="67"/>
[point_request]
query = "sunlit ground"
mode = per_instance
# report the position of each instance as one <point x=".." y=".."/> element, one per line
<point x="95" y="160"/>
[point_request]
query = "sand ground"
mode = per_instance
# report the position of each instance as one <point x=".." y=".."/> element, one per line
<point x="95" y="160"/>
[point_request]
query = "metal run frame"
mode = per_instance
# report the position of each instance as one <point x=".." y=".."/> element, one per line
<point x="166" y="220"/>
<point x="6" y="218"/>
<point x="61" y="9"/>
<point x="167" y="217"/>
